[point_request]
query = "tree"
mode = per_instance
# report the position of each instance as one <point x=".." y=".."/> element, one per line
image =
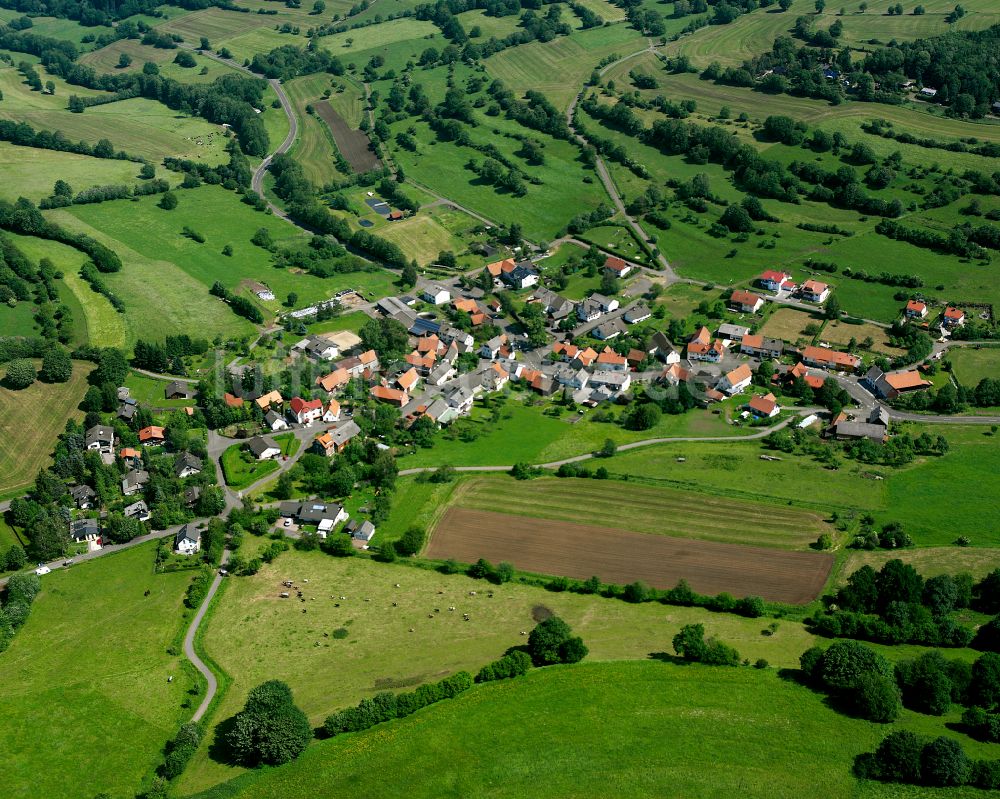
<point x="291" y="299"/>
<point x="56" y="365"/>
<point x="124" y="61"/>
<point x="820" y="5"/>
<point x="898" y="582"/>
<point x="877" y="698"/>
<point x="185" y="59"/>
<point x="270" y="729"/>
<point x="832" y="308"/>
<point x="984" y="689"/>
<point x="736" y="218"/>
<point x="844" y="663"/>
<point x="411" y="542"/>
<point x="643" y="417"/>
<point x="20" y="374"/>
<point x="15" y="558"/>
<point x="283" y="488"/>
<point x="552" y="641"/>
<point x="943" y="762"/>
<point x="168" y="202"/>
<point x="784" y="5"/>
<point x="897" y="758"/>
<point x="608" y="449"/>
<point x="408" y="278"/>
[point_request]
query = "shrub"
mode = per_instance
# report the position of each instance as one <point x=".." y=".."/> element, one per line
<point x="513" y="664"/>
<point x="552" y="641"/>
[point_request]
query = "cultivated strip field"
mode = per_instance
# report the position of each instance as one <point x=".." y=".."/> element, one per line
<point x="353" y="144"/>
<point x="622" y="556"/>
<point x="644" y="509"/>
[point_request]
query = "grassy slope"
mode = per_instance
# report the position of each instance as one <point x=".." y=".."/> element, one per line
<point x="254" y="635"/>
<point x="30" y="420"/>
<point x="85" y="681"/>
<point x="29" y="172"/>
<point x="314" y="145"/>
<point x="922" y="495"/>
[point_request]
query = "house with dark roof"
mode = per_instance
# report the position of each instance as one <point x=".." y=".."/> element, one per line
<point x="85" y="530"/>
<point x="133" y="481"/>
<point x="360" y="531"/>
<point x="137" y="510"/>
<point x="100" y="437"/>
<point x="186" y="464"/>
<point x="187" y="540"/>
<point x="83" y="496"/>
<point x="177" y="389"/>
<point x="263" y="448"/>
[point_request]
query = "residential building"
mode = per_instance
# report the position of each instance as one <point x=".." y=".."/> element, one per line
<point x="617" y="266"/>
<point x="814" y="291"/>
<point x="364" y="531"/>
<point x="265" y="401"/>
<point x="763" y="406"/>
<point x="495" y="377"/>
<point x="664" y="350"/>
<point x="824" y="358"/>
<point x="88" y="530"/>
<point x="151" y="436"/>
<point x="735" y="381"/>
<point x="953" y="317"/>
<point x="390" y="396"/>
<point x="101" y="438"/>
<point x="889" y="385"/>
<point x="334" y="381"/>
<point x="83" y="496"/>
<point x="758" y="346"/>
<point x="436" y="294"/>
<point x="275" y="421"/>
<point x="321" y="349"/>
<point x="409" y="380"/>
<point x="615" y="380"/>
<point x="746" y="301"/>
<point x="732" y="332"/>
<point x="637" y="313"/>
<point x="186" y="464"/>
<point x="609" y="330"/>
<point x="331" y="413"/>
<point x="305" y="411"/>
<point x="133" y="481"/>
<point x="137" y="510"/>
<point x="263" y="449"/>
<point x="491" y="349"/>
<point x="611" y="360"/>
<point x="177" y="389"/>
<point x="187" y="540"/>
<point x="522" y="276"/>
<point x="915" y="309"/>
<point x="774" y="281"/>
<point x="556" y="306"/>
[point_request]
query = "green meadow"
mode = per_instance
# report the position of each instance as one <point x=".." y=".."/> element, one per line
<point x="90" y="666"/>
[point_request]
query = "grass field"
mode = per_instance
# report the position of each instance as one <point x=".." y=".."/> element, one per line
<point x="91" y="665"/>
<point x="560" y="68"/>
<point x="622" y="729"/>
<point x="422" y="237"/>
<point x="149" y="391"/>
<point x="30" y="421"/>
<point x="29" y="172"/>
<point x="157" y="254"/>
<point x="254" y="635"/>
<point x="645" y="509"/>
<point x="929" y="561"/>
<point x="140" y="127"/>
<point x="970" y="365"/>
<point x="936" y="499"/>
<point x="19" y="320"/>
<point x="789" y="325"/>
<point x="841" y="333"/>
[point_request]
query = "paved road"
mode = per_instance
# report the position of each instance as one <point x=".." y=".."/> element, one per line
<point x="605" y="176"/>
<point x="646" y="442"/>
<point x="189" y="650"/>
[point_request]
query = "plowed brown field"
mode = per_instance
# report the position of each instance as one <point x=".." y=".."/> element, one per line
<point x="622" y="556"/>
<point x="353" y="144"/>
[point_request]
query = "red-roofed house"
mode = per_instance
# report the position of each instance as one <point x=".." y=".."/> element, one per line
<point x="617" y="266"/>
<point x="915" y="309"/>
<point x="232" y="401"/>
<point x="611" y="360"/>
<point x="814" y="291"/>
<point x="305" y="411"/>
<point x="746" y="301"/>
<point x="332" y="411"/>
<point x="773" y="280"/>
<point x="763" y="407"/>
<point x="830" y="359"/>
<point x="408" y="380"/>
<point x="390" y="396"/>
<point x="336" y="379"/>
<point x="711" y="352"/>
<point x="953" y="317"/>
<point x="151" y="436"/>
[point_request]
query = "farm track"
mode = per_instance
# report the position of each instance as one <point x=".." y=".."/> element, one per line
<point x="618" y="555"/>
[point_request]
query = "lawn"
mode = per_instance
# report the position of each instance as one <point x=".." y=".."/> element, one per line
<point x="254" y="635"/>
<point x="242" y="469"/>
<point x="156" y="254"/>
<point x="526" y="433"/>
<point x="148" y="391"/>
<point x="19" y="320"/>
<point x="91" y="665"/>
<point x="30" y="172"/>
<point x="937" y="499"/>
<point x="646" y="509"/>
<point x="622" y="729"/>
<point x="139" y="126"/>
<point x="970" y="365"/>
<point x="30" y="421"/>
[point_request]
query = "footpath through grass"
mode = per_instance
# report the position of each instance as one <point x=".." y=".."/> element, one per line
<point x="86" y="702"/>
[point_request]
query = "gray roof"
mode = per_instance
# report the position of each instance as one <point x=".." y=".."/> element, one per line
<point x="187" y="531"/>
<point x="733" y="331"/>
<point x="81" y="528"/>
<point x="272" y="416"/>
<point x="99" y="433"/>
<point x="662" y="343"/>
<point x="258" y="444"/>
<point x="135" y="477"/>
<point x="177" y="387"/>
<point x="185" y="460"/>
<point x="363" y="531"/>
<point x="136" y="509"/>
<point x="876" y="432"/>
<point x="81" y="492"/>
<point x="343" y="433"/>
<point x="315" y="512"/>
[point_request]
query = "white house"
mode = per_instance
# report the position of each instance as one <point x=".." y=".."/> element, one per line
<point x="305" y="411"/>
<point x="275" y="421"/>
<point x="814" y="291"/>
<point x="735" y="381"/>
<point x="332" y="411"/>
<point x="187" y="541"/>
<point x="263" y="449"/>
<point x="436" y="294"/>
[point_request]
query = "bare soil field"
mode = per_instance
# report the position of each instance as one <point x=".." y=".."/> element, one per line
<point x="622" y="556"/>
<point x="353" y="144"/>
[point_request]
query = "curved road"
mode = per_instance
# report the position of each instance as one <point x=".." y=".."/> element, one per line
<point x="212" y="684"/>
